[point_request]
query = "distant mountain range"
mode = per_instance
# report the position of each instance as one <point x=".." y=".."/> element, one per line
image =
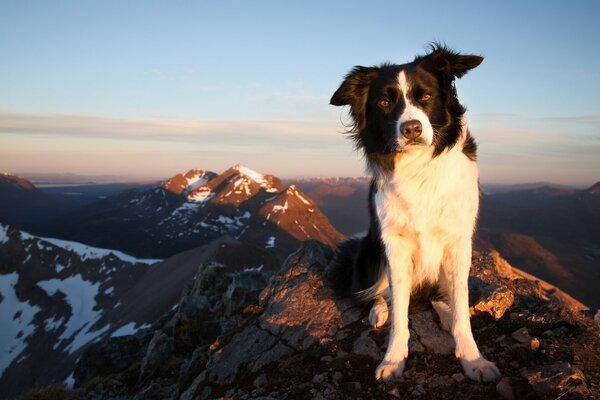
<point x="185" y="211"/>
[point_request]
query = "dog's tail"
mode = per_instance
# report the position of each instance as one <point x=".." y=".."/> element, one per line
<point x="358" y="268"/>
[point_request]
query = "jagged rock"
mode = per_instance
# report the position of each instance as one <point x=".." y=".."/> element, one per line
<point x="430" y="335"/>
<point x="300" y="334"/>
<point x="244" y="289"/>
<point x="158" y="350"/>
<point x="190" y="392"/>
<point x="190" y="367"/>
<point x="557" y="379"/>
<point x="299" y="311"/>
<point x="491" y="298"/>
<point x="155" y="391"/>
<point x="110" y="356"/>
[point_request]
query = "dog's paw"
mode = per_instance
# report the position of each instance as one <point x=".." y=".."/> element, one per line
<point x="481" y="370"/>
<point x="379" y="314"/>
<point x="388" y="370"/>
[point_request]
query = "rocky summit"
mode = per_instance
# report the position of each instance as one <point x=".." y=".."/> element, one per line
<point x="245" y="337"/>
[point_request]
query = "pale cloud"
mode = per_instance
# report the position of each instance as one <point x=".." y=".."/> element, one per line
<point x="512" y="147"/>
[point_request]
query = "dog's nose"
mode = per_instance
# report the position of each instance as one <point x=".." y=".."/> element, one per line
<point x="411" y="129"/>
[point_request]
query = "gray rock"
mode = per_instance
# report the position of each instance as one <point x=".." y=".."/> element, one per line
<point x="521" y="335"/>
<point x="430" y="334"/>
<point x="557" y="379"/>
<point x="158" y="351"/>
<point x="504" y="389"/>
<point x="366" y="346"/>
<point x="243" y="290"/>
<point x="491" y="298"/>
<point x="189" y="393"/>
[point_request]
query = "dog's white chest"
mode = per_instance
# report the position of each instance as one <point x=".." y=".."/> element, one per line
<point x="431" y="202"/>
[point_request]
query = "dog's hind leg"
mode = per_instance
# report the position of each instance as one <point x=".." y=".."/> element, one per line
<point x="443" y="311"/>
<point x="379" y="313"/>
<point x="456" y="265"/>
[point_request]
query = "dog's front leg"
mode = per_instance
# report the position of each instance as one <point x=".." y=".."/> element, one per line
<point x="457" y="264"/>
<point x="398" y="251"/>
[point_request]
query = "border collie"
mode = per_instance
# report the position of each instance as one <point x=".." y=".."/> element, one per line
<point x="423" y="199"/>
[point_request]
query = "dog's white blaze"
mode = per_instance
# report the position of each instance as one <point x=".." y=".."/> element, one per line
<point x="412" y="111"/>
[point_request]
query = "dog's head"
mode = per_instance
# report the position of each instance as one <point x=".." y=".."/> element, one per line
<point x="395" y="107"/>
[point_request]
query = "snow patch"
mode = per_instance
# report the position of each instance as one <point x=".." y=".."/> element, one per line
<point x="70" y="380"/>
<point x="88" y="252"/>
<point x="14" y="331"/>
<point x="201" y="195"/>
<point x="129" y="329"/>
<point x="256" y="177"/>
<point x="270" y="242"/>
<point x="3" y="234"/>
<point x="303" y="199"/>
<point x="281" y="208"/>
<point x="81" y="296"/>
<point x="195" y="181"/>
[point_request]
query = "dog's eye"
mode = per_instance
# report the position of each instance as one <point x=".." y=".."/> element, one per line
<point x="384" y="103"/>
<point x="426" y="97"/>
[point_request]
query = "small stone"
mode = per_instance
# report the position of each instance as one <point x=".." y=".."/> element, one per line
<point x="394" y="392"/>
<point x="534" y="344"/>
<point x="521" y="335"/>
<point x="326" y="359"/>
<point x="458" y="377"/>
<point x="549" y="332"/>
<point x="504" y="389"/>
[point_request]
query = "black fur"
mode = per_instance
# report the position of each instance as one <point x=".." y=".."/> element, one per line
<point x="359" y="262"/>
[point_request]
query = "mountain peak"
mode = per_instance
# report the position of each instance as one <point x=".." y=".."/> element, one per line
<point x="594" y="190"/>
<point x="16" y="181"/>
<point x="188" y="182"/>
<point x="265" y="181"/>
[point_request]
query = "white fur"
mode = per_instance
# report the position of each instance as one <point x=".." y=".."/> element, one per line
<point x="412" y="112"/>
<point x="427" y="212"/>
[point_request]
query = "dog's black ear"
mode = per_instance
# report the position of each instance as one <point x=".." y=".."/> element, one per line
<point x="448" y="62"/>
<point x="355" y="87"/>
<point x="354" y="92"/>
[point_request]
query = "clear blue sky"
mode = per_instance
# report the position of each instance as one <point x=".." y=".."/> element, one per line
<point x="154" y="88"/>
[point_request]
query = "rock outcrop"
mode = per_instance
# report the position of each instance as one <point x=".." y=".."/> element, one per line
<point x="297" y="340"/>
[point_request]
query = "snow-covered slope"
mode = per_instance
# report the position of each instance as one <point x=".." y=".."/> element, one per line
<point x="55" y="298"/>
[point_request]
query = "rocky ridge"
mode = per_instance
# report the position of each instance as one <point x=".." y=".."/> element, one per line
<point x="296" y="340"/>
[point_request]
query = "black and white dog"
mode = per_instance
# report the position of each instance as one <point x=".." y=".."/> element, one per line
<point x="423" y="200"/>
